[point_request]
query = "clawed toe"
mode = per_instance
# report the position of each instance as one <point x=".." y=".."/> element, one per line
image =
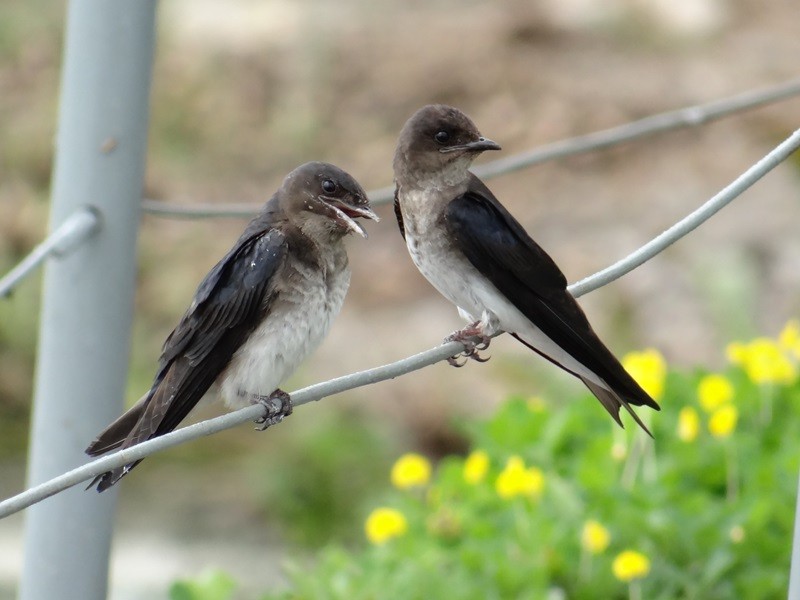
<point x="278" y="406"/>
<point x="475" y="356"/>
<point x="453" y="361"/>
<point x="474" y="340"/>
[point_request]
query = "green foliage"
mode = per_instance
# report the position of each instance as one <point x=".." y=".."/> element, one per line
<point x="18" y="320"/>
<point x="713" y="513"/>
<point x="329" y="468"/>
<point x="214" y="585"/>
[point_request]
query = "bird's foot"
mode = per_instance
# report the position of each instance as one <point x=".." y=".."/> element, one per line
<point x="278" y="406"/>
<point x="474" y="339"/>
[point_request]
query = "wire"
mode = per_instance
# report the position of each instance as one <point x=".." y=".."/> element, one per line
<point x="69" y="235"/>
<point x="692" y="221"/>
<point x="684" y="117"/>
<point x="401" y="367"/>
<point x="690" y="116"/>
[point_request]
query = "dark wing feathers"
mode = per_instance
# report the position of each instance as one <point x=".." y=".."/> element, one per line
<point x="399" y="213"/>
<point x="225" y="311"/>
<point x="228" y="294"/>
<point x="115" y="434"/>
<point x="498" y="246"/>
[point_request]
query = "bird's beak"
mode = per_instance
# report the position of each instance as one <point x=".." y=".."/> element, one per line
<point x="347" y="213"/>
<point x="480" y="145"/>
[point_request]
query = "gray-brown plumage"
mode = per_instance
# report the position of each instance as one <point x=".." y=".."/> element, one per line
<point x="257" y="314"/>
<point x="480" y="258"/>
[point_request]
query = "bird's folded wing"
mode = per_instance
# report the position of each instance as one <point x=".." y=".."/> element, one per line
<point x="501" y="250"/>
<point x="228" y="305"/>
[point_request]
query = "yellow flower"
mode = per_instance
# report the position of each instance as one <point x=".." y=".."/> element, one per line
<point x="410" y="470"/>
<point x="595" y="537"/>
<point x="384" y="524"/>
<point x="476" y="467"/>
<point x="630" y="565"/>
<point x="713" y="391"/>
<point x="516" y="480"/>
<point x="736" y="353"/>
<point x="723" y="421"/>
<point x="767" y="364"/>
<point x="763" y="361"/>
<point x="688" y="424"/>
<point x="649" y="369"/>
<point x="789" y="338"/>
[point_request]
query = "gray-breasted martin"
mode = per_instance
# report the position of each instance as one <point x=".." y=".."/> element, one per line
<point x="257" y="314"/>
<point x="481" y="259"/>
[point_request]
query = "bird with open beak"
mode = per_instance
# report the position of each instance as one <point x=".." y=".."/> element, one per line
<point x="479" y="257"/>
<point x="258" y="313"/>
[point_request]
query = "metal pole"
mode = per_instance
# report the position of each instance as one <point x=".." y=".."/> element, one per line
<point x="88" y="295"/>
<point x="794" y="571"/>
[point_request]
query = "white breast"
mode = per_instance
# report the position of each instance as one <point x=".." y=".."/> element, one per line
<point x="443" y="266"/>
<point x="298" y="322"/>
<point x="456" y="279"/>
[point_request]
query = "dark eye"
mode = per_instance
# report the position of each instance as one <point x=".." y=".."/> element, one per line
<point x="328" y="186"/>
<point x="442" y="136"/>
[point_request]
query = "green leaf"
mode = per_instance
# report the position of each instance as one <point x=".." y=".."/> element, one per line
<point x="214" y="585"/>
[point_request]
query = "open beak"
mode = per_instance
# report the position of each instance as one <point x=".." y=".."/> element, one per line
<point x="480" y="145"/>
<point x="347" y="213"/>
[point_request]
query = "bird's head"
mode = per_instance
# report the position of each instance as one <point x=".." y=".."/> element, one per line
<point x="438" y="139"/>
<point x="323" y="198"/>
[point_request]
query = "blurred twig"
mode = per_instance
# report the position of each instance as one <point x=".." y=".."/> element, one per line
<point x="401" y="367"/>
<point x="690" y="116"/>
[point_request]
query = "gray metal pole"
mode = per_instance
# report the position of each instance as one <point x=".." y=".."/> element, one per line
<point x="88" y="295"/>
<point x="794" y="570"/>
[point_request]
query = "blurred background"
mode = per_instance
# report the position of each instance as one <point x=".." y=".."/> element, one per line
<point x="245" y="90"/>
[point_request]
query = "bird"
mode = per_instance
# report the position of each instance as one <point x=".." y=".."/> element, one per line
<point x="479" y="257"/>
<point x="257" y="314"/>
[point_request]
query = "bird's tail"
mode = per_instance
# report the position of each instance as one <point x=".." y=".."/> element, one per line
<point x="114" y="437"/>
<point x="612" y="402"/>
<point x="109" y="478"/>
<point x="620" y="389"/>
